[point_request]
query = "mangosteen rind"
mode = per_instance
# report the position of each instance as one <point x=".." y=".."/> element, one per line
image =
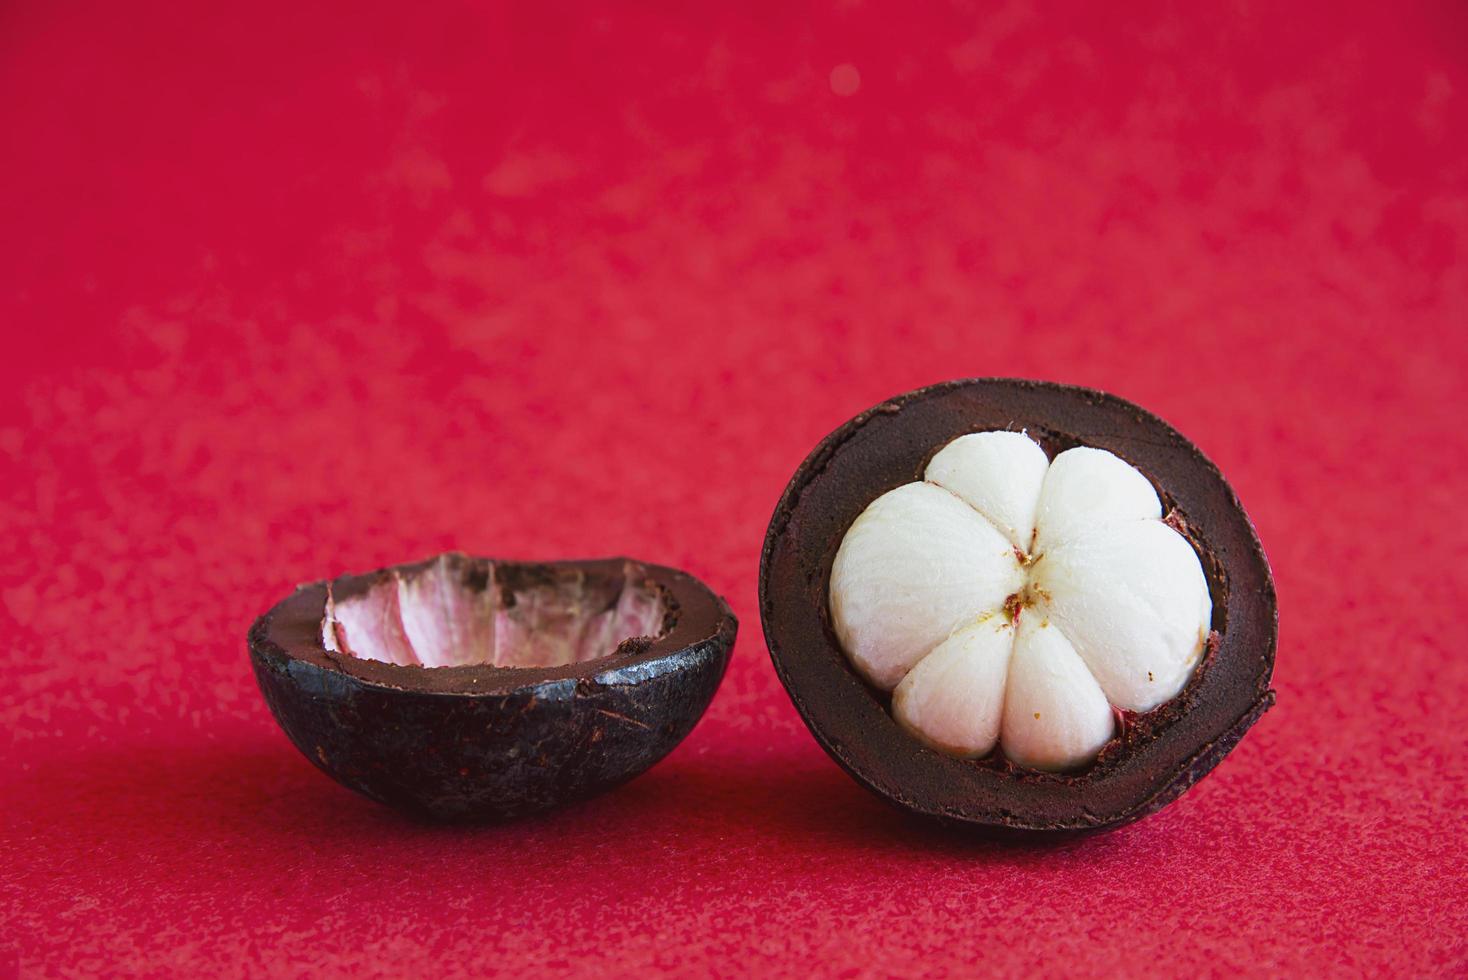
<point x="1161" y="753"/>
<point x="487" y="743"/>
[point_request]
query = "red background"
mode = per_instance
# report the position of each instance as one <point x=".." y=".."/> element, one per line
<point x="291" y="290"/>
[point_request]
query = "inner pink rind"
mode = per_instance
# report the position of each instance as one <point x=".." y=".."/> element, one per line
<point x="457" y="611"/>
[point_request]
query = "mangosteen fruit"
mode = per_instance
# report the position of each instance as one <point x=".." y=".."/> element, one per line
<point x="464" y="688"/>
<point x="1026" y="608"/>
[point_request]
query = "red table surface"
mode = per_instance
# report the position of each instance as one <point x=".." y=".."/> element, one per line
<point x="288" y="290"/>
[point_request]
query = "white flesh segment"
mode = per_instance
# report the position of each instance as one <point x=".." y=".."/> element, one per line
<point x="1133" y="600"/>
<point x="953" y="698"/>
<point x="916" y="565"/>
<point x="1055" y="715"/>
<point x="999" y="474"/>
<point x="1086" y="489"/>
<point x="447" y="624"/>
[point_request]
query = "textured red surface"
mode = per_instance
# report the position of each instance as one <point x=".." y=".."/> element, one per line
<point x="289" y="291"/>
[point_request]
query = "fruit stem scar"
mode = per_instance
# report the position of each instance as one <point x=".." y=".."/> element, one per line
<point x="1012" y="607"/>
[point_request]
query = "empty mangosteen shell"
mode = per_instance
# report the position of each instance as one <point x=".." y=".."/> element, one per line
<point x="484" y="743"/>
<point x="1157" y="755"/>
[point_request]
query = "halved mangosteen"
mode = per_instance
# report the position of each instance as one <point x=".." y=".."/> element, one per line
<point x="1027" y="608"/>
<point x="464" y="688"/>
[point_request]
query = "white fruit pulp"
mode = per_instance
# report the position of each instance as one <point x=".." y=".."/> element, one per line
<point x="1012" y="599"/>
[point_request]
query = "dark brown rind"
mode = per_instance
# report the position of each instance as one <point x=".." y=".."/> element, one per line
<point x="483" y="743"/>
<point x="1157" y="756"/>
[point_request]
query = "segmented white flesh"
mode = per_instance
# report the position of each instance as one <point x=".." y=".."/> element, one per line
<point x="954" y="697"/>
<point x="1133" y="600"/>
<point x="1086" y="489"/>
<point x="1054" y="711"/>
<point x="1111" y="602"/>
<point x="916" y="565"/>
<point x="998" y="474"/>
